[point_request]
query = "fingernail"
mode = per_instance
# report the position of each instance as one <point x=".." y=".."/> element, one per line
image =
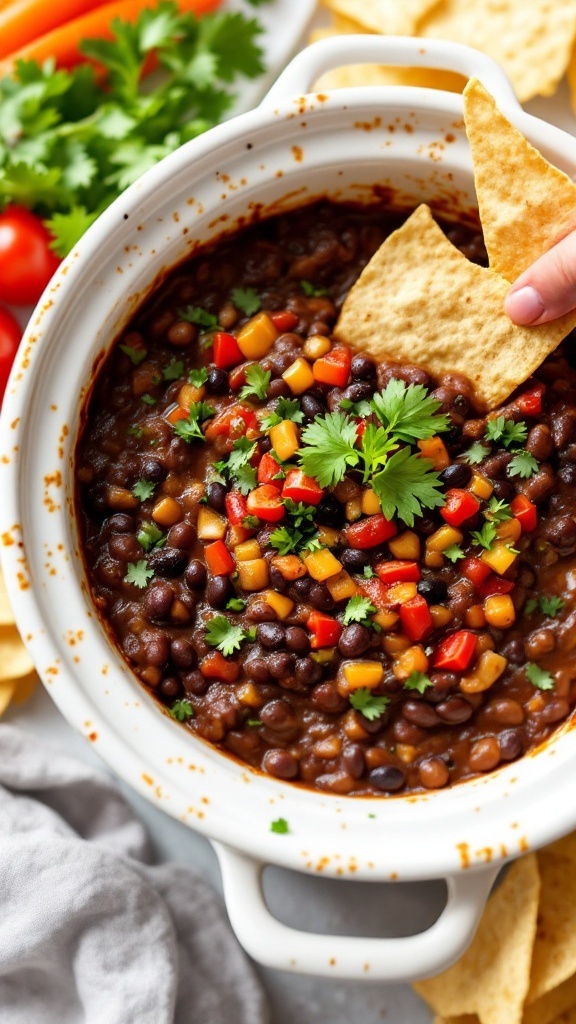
<point x="524" y="306"/>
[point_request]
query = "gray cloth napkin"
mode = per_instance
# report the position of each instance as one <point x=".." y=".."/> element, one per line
<point x="90" y="931"/>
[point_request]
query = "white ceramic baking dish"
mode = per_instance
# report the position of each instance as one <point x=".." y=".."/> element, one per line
<point x="296" y="146"/>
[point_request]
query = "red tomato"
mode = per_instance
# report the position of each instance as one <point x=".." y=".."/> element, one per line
<point x="10" y="335"/>
<point x="26" y="259"/>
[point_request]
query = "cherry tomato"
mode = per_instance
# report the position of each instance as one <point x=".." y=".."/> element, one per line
<point x="10" y="335"/>
<point x="26" y="260"/>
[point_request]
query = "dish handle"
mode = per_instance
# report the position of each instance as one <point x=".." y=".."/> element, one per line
<point x="399" y="51"/>
<point x="276" y="945"/>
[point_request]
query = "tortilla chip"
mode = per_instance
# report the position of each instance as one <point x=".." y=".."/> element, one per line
<point x="554" y="956"/>
<point x="25" y="688"/>
<point x="467" y="1018"/>
<point x="492" y="977"/>
<point x="571" y="73"/>
<point x="391" y="17"/>
<point x="6" y="615"/>
<point x="525" y="203"/>
<point x="547" y="1009"/>
<point x="7" y="688"/>
<point x="419" y="300"/>
<point x="14" y="658"/>
<point x="532" y="40"/>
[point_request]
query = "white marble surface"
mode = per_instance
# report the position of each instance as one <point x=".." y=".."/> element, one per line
<point x="305" y="902"/>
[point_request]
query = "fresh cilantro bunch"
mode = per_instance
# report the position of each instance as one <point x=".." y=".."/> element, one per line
<point x="71" y="142"/>
<point x="298" y="532"/>
<point x="236" y="469"/>
<point x="512" y="436"/>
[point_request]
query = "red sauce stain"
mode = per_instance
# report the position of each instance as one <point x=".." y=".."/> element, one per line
<point x="52" y="670"/>
<point x="93" y="736"/>
<point x="5" y="460"/>
<point x="409" y="128"/>
<point x="15" y="422"/>
<point x="332" y="961"/>
<point x="523" y="844"/>
<point x="450" y="138"/>
<point x="298" y="154"/>
<point x="147" y="779"/>
<point x="368" y="126"/>
<point x="464" y="852"/>
<point x="321" y="97"/>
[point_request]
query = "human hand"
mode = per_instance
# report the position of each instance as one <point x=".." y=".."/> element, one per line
<point x="547" y="289"/>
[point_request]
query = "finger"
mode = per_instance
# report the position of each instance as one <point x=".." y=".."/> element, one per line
<point x="547" y="289"/>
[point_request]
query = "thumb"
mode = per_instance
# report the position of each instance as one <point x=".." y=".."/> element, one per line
<point x="547" y="289"/>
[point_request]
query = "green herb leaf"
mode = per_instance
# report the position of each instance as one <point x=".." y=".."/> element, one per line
<point x="539" y="677"/>
<point x="369" y="705"/>
<point x="361" y="408"/>
<point x="246" y="300"/>
<point x="251" y="522"/>
<point x="245" y="479"/>
<point x="418" y="681"/>
<point x="375" y="446"/>
<point x="198" y="377"/>
<point x="135" y="431"/>
<point x="143" y="489"/>
<point x="224" y="635"/>
<point x="329" y="448"/>
<point x="551" y="606"/>
<point x="523" y="465"/>
<point x="150" y="536"/>
<point x="410" y="413"/>
<point x="368" y="572"/>
<point x="135" y="355"/>
<point x="182" y="710"/>
<point x="299" y="533"/>
<point x="254" y="722"/>
<point x="174" y="370"/>
<point x="486" y="536"/>
<point x="358" y="609"/>
<point x="476" y="453"/>
<point x="258" y="383"/>
<point x="190" y="430"/>
<point x="531" y="606"/>
<point x="406" y="485"/>
<point x="454" y="553"/>
<point x="498" y="511"/>
<point x="236" y="604"/>
<point x="200" y="317"/>
<point x="148" y="399"/>
<point x="311" y="291"/>
<point x="280" y="826"/>
<point x="507" y="432"/>
<point x="286" y="409"/>
<point x="139" y="574"/>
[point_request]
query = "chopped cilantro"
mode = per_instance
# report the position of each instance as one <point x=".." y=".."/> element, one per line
<point x="361" y="408"/>
<point x="280" y="826"/>
<point x="358" y="609"/>
<point x="286" y="409"/>
<point x="139" y="574"/>
<point x="551" y="606"/>
<point x="254" y="722"/>
<point x="369" y="705"/>
<point x="148" y="399"/>
<point x="312" y="291"/>
<point x="507" y="432"/>
<point x="236" y="469"/>
<point x="454" y="553"/>
<point x="251" y="522"/>
<point x="375" y="446"/>
<point x="329" y="448"/>
<point x="135" y="431"/>
<point x="198" y="377"/>
<point x="246" y="300"/>
<point x="224" y="635"/>
<point x="174" y="370"/>
<point x="245" y="479"/>
<point x="368" y="572"/>
<point x="135" y="355"/>
<point x="486" y="536"/>
<point x="498" y="511"/>
<point x="200" y="317"/>
<point x="523" y="465"/>
<point x="182" y="710"/>
<point x="236" y="604"/>
<point x="476" y="453"/>
<point x="258" y="382"/>
<point x="190" y="429"/>
<point x="150" y="536"/>
<point x="418" y="681"/>
<point x="299" y="533"/>
<point x="143" y="489"/>
<point x="409" y="412"/>
<point x="531" y="605"/>
<point x="539" y="677"/>
<point x="406" y="485"/>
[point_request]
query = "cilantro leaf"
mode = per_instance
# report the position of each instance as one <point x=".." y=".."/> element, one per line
<point x="135" y="355"/>
<point x="174" y="370"/>
<point x="509" y="433"/>
<point x="523" y="465"/>
<point x="329" y="448"/>
<point x="190" y="429"/>
<point x="236" y="469"/>
<point x="182" y="710"/>
<point x="539" y="677"/>
<point x="406" y="485"/>
<point x="498" y="511"/>
<point x="551" y="606"/>
<point x="376" y="445"/>
<point x="531" y="605"/>
<point x="368" y="572"/>
<point x="476" y="453"/>
<point x="258" y="382"/>
<point x="224" y="635"/>
<point x="454" y="553"/>
<point x="236" y="604"/>
<point x="361" y="408"/>
<point x="139" y="574"/>
<point x="410" y="413"/>
<point x="486" y="536"/>
<point x="299" y="533"/>
<point x="143" y="489"/>
<point x="286" y="409"/>
<point x="280" y="826"/>
<point x="148" y="399"/>
<point x="200" y="317"/>
<point x="67" y="228"/>
<point x="198" y="377"/>
<point x="245" y="479"/>
<point x="246" y="300"/>
<point x="150" y="536"/>
<point x="369" y="705"/>
<point x="418" y="681"/>
<point x="311" y="291"/>
<point x="358" y="609"/>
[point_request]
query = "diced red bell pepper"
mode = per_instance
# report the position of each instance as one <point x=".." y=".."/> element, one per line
<point x="300" y="487"/>
<point x="495" y="585"/>
<point x="215" y="666"/>
<point x="360" y="427"/>
<point x="218" y="559"/>
<point x="375" y="591"/>
<point x="460" y="505"/>
<point x="456" y="652"/>
<point x="530" y="402"/>
<point x="325" y="630"/>
<point x="525" y="512"/>
<point x="234" y="421"/>
<point x="236" y="508"/>
<point x="237" y="376"/>
<point x="266" y="503"/>
<point x="475" y="570"/>
<point x="268" y="470"/>
<point x="370" y="532"/>
<point x="398" y="572"/>
<point x="283" y="320"/>
<point x="415" y="618"/>
<point x="226" y="351"/>
<point x="334" y="367"/>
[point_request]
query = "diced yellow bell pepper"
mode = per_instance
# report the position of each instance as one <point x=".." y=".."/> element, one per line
<point x="315" y="346"/>
<point x="255" y="339"/>
<point x="489" y="668"/>
<point x="290" y="566"/>
<point x="500" y="557"/>
<point x="328" y="536"/>
<point x="299" y="376"/>
<point x="480" y="486"/>
<point x="247" y="550"/>
<point x="499" y="611"/>
<point x="353" y="510"/>
<point x="281" y="604"/>
<point x="285" y="439"/>
<point x="362" y="675"/>
<point x="211" y="525"/>
<point x="510" y="530"/>
<point x="167" y="512"/>
<point x="444" y="538"/>
<point x="399" y="593"/>
<point x="405" y="545"/>
<point x="433" y="559"/>
<point x="341" y="586"/>
<point x="370" y="502"/>
<point x="385" y="619"/>
<point x="188" y="394"/>
<point x="413" y="659"/>
<point x="323" y="656"/>
<point x="248" y="694"/>
<point x="322" y="564"/>
<point x="440" y="615"/>
<point x="253" y="574"/>
<point x="433" y="448"/>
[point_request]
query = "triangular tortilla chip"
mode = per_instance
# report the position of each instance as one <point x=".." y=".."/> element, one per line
<point x="554" y="956"/>
<point x="530" y="39"/>
<point x="492" y="977"/>
<point x="391" y="17"/>
<point x="525" y="203"/>
<point x="547" y="1009"/>
<point x="419" y="300"/>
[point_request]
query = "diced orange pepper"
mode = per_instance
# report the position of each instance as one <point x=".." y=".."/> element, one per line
<point x="255" y="338"/>
<point x="285" y="439"/>
<point x="433" y="448"/>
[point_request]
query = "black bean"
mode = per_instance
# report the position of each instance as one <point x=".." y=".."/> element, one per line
<point x="217" y="382"/>
<point x="158" y="599"/>
<point x="278" y="715"/>
<point x="559" y="530"/>
<point x="326" y="697"/>
<point x="329" y="512"/>
<point x="125" y="547"/>
<point x="280" y="763"/>
<point x="278" y="388"/>
<point x="182" y="535"/>
<point x="260" y="611"/>
<point x="454" y="710"/>
<point x="218" y="591"/>
<point x="277" y="581"/>
<point x="511" y="744"/>
<point x="169" y="687"/>
<point x="307" y="672"/>
<point x="458" y="474"/>
<point x="119" y="523"/>
<point x="320" y="597"/>
<point x="539" y="442"/>
<point x="195" y="683"/>
<point x="195" y="574"/>
<point x="353" y="760"/>
<point x="263" y="535"/>
<point x="495" y="465"/>
<point x="420" y="713"/>
<point x="182" y="653"/>
<point x="567" y="474"/>
<point x="363" y="367"/>
<point x="388" y="778"/>
<point x="155" y="648"/>
<point x="540" y="486"/>
<point x="358" y="391"/>
<point x="433" y="589"/>
<point x="256" y="668"/>
<point x="297" y="641"/>
<point x="153" y="469"/>
<point x="514" y="651"/>
<point x="354" y="641"/>
<point x="281" y="664"/>
<point x="311" y="406"/>
<point x="353" y="560"/>
<point x="504" y="491"/>
<point x="216" y="496"/>
<point x="300" y="589"/>
<point x="168" y="562"/>
<point x="270" y="635"/>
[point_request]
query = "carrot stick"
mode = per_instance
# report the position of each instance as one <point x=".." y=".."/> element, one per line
<point x="63" y="42"/>
<point x="22" y="21"/>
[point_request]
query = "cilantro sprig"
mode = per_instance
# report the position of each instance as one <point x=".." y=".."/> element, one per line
<point x="506" y="431"/>
<point x="246" y="300"/>
<point x="236" y="469"/>
<point x="369" y="704"/>
<point x="539" y="677"/>
<point x="224" y="635"/>
<point x="182" y="710"/>
<point x="139" y="574"/>
<point x="143" y="489"/>
<point x="257" y="383"/>
<point x="548" y="605"/>
<point x="418" y="681"/>
<point x="359" y="609"/>
<point x="191" y="429"/>
<point x="299" y="532"/>
<point x="409" y="412"/>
